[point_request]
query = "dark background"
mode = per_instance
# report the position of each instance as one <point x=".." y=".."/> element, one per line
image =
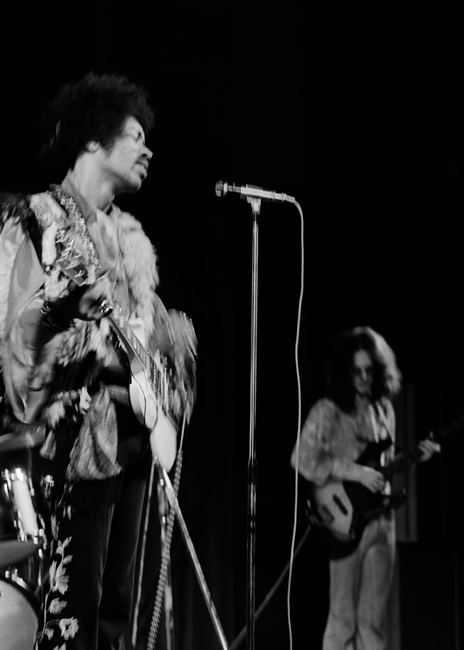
<point x="358" y="114"/>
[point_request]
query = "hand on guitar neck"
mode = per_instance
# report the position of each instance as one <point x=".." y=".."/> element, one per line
<point x="428" y="448"/>
<point x="85" y="302"/>
<point x="375" y="480"/>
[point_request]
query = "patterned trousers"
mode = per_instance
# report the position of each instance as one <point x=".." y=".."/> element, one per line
<point x="93" y="556"/>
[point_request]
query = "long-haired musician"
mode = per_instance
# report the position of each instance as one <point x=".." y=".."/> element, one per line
<point x="355" y="417"/>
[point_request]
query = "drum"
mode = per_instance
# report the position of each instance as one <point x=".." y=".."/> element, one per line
<point x="18" y="614"/>
<point x="19" y="492"/>
<point x="24" y="514"/>
<point x="22" y="544"/>
<point x="21" y="502"/>
<point x="14" y="552"/>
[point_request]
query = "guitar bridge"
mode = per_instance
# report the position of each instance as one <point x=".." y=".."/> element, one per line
<point x="325" y="516"/>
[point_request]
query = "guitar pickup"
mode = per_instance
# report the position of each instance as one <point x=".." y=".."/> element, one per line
<point x="340" y="505"/>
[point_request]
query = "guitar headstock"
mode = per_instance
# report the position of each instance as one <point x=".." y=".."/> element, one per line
<point x="448" y="431"/>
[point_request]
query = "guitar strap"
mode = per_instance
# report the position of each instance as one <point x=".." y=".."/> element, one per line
<point x="382" y="419"/>
<point x="382" y="433"/>
<point x="71" y="207"/>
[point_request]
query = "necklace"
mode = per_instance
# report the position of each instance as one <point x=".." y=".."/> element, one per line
<point x="71" y="207"/>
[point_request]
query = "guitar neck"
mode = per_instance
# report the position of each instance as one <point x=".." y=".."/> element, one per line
<point x="401" y="463"/>
<point x="156" y="372"/>
<point x="129" y="340"/>
<point x="407" y="459"/>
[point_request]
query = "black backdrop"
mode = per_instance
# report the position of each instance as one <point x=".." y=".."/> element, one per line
<point x="356" y="113"/>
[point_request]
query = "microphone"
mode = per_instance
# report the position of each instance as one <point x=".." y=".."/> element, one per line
<point x="245" y="191"/>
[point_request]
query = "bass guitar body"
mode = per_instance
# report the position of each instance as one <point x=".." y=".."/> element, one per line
<point x="342" y="509"/>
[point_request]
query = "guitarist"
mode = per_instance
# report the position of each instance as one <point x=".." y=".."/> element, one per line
<point x="355" y="415"/>
<point x="63" y="367"/>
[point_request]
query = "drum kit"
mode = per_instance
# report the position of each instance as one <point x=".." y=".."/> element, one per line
<point x="24" y="534"/>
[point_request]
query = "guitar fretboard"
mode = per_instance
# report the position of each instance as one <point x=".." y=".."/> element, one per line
<point x="408" y="458"/>
<point x="156" y="372"/>
<point x="401" y="462"/>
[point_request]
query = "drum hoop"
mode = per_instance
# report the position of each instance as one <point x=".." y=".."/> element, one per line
<point x="23" y="587"/>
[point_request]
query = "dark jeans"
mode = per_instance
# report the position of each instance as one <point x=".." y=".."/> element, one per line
<point x="94" y="554"/>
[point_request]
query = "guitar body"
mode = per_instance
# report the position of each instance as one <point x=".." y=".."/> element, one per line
<point x="163" y="440"/>
<point x="143" y="398"/>
<point x="333" y="510"/>
<point x="146" y="402"/>
<point x="342" y="509"/>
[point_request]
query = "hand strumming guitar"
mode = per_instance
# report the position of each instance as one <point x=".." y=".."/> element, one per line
<point x="371" y="478"/>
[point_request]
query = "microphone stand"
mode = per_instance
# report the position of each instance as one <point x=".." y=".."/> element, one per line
<point x="253" y="195"/>
<point x="252" y="463"/>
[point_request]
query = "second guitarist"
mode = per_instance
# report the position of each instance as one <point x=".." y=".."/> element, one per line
<point x="355" y="414"/>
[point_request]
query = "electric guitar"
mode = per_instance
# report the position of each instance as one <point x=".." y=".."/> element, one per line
<point x="342" y="509"/>
<point x="151" y="388"/>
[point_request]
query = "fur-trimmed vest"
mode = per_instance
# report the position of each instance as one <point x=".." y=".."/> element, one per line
<point x="72" y="407"/>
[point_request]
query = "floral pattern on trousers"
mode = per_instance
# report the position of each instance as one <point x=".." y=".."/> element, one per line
<point x="55" y="627"/>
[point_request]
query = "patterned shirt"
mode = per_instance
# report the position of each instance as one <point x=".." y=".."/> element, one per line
<point x="332" y="440"/>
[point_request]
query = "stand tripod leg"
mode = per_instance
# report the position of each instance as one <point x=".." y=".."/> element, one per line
<point x="142" y="557"/>
<point x="173" y="502"/>
<point x="168" y="610"/>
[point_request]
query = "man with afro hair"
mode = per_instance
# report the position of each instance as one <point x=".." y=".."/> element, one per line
<point x="78" y="280"/>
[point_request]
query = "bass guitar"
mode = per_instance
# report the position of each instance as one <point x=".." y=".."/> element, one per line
<point x="342" y="509"/>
